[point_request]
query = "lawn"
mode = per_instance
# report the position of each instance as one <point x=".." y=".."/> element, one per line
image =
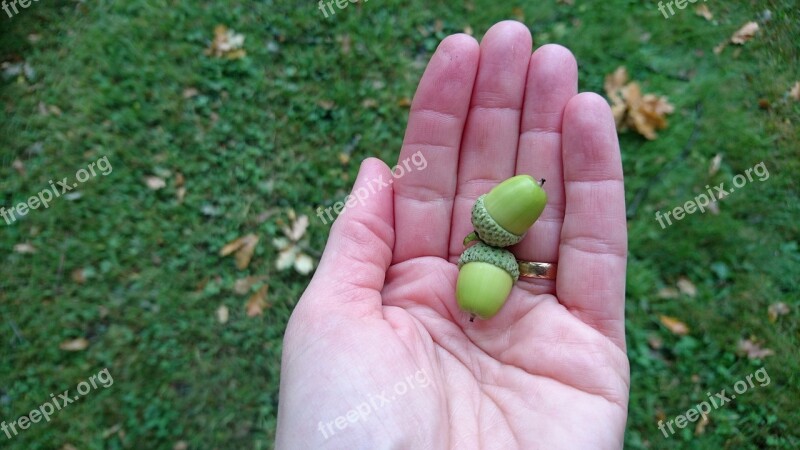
<point x="124" y="271"/>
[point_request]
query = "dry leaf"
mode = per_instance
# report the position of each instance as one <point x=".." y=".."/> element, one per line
<point x="18" y="166"/>
<point x="226" y="44"/>
<point x="190" y="92"/>
<point x="655" y="342"/>
<point x="716" y="162"/>
<point x="644" y="113"/>
<point x="701" y="425"/>
<point x="181" y="445"/>
<point x="777" y="309"/>
<point x="242" y="285"/>
<point x="404" y="102"/>
<point x="244" y="248"/>
<point x="674" y="325"/>
<point x="687" y="287"/>
<point x="303" y="264"/>
<point x="745" y="33"/>
<point x="79" y="276"/>
<point x="257" y="302"/>
<point x="668" y="292"/>
<point x="720" y="47"/>
<point x="155" y="183"/>
<point x="298" y="229"/>
<point x="74" y="345"/>
<point x="795" y="91"/>
<point x="703" y="11"/>
<point x="753" y="350"/>
<point x="24" y="248"/>
<point x="222" y="314"/>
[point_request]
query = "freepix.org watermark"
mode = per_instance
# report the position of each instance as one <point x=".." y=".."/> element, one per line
<point x="700" y="202"/>
<point x="43" y="198"/>
<point x="9" y="5"/>
<point x="719" y="399"/>
<point x="361" y="194"/>
<point x="326" y="6"/>
<point x="50" y="407"/>
<point x="363" y="410"/>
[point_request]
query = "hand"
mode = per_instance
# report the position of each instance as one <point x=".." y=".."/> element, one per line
<point x="550" y="370"/>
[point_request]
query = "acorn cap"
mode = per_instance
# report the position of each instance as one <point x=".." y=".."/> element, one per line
<point x="503" y="216"/>
<point x="498" y="257"/>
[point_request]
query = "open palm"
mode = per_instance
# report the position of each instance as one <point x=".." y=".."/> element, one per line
<point x="377" y="353"/>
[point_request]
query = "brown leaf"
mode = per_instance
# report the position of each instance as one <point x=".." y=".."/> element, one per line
<point x="257" y="302"/>
<point x="244" y="248"/>
<point x="18" y="166"/>
<point x="79" y="276"/>
<point x="701" y="426"/>
<point x="190" y="92"/>
<point x="687" y="287"/>
<point x="298" y="229"/>
<point x="777" y="309"/>
<point x="745" y="33"/>
<point x="404" y="102"/>
<point x="674" y="325"/>
<point x="74" y="345"/>
<point x="155" y="183"/>
<point x="631" y="109"/>
<point x="703" y="11"/>
<point x="753" y="350"/>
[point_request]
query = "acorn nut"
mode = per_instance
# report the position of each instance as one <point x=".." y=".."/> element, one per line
<point x="485" y="277"/>
<point x="502" y="217"/>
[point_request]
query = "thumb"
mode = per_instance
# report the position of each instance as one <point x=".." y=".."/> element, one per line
<point x="359" y="249"/>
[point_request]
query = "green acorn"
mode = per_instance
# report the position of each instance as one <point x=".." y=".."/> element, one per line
<point x="485" y="277"/>
<point x="503" y="216"/>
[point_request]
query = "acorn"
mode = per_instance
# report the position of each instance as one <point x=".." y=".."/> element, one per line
<point x="485" y="277"/>
<point x="502" y="217"/>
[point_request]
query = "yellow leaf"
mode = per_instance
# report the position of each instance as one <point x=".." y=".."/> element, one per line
<point x="257" y="302"/>
<point x="226" y="44"/>
<point x="745" y="33"/>
<point x="644" y="113"/>
<point x="74" y="345"/>
<point x="674" y="325"/>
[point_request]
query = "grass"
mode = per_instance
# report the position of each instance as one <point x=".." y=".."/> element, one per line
<point x="266" y="134"/>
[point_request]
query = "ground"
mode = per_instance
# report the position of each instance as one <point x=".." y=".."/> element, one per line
<point x="136" y="271"/>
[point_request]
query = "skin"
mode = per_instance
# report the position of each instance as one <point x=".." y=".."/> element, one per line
<point x="550" y="370"/>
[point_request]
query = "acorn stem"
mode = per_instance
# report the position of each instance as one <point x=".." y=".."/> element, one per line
<point x="541" y="182"/>
<point x="472" y="317"/>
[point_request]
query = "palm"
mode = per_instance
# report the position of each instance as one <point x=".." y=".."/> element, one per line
<point x="546" y="372"/>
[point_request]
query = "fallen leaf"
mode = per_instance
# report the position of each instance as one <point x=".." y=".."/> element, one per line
<point x="753" y="350"/>
<point x="244" y="248"/>
<point x="257" y="302"/>
<point x="703" y="11"/>
<point x="243" y="285"/>
<point x="668" y="292"/>
<point x="180" y="194"/>
<point x="745" y="33"/>
<point x="404" y="102"/>
<point x="674" y="325"/>
<point x="327" y="105"/>
<point x="190" y="92"/>
<point x="79" y="276"/>
<point x="24" y="248"/>
<point x="631" y="109"/>
<point x="701" y="426"/>
<point x="155" y="183"/>
<point x="298" y="229"/>
<point x="68" y="447"/>
<point x="794" y="92"/>
<point x="74" y="345"/>
<point x="720" y="47"/>
<point x="303" y="264"/>
<point x="181" y="445"/>
<point x="777" y="309"/>
<point x="222" y="314"/>
<point x="655" y="342"/>
<point x="18" y="166"/>
<point x="226" y="44"/>
<point x="687" y="287"/>
<point x="716" y="162"/>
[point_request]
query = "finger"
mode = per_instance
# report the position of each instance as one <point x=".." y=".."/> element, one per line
<point x="594" y="238"/>
<point x="359" y="248"/>
<point x="424" y="198"/>
<point x="552" y="81"/>
<point x="489" y="148"/>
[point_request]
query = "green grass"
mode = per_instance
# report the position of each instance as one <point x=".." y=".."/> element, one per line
<point x="260" y="136"/>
